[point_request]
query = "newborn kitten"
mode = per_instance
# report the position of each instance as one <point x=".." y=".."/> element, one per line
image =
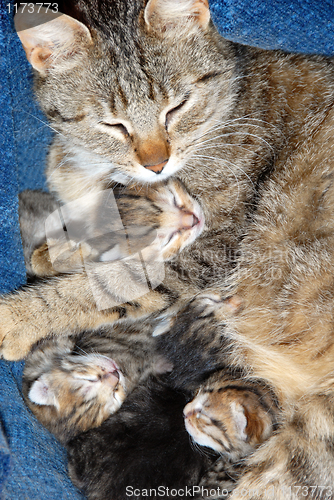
<point x="158" y="222"/>
<point x="140" y="448"/>
<point x="233" y="417"/>
<point x="34" y="208"/>
<point x="73" y="384"/>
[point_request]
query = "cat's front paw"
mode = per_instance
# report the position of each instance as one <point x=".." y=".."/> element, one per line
<point x="15" y="344"/>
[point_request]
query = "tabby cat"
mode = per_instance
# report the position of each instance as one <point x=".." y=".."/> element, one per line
<point x="249" y="133"/>
<point x="222" y="153"/>
<point x="141" y="110"/>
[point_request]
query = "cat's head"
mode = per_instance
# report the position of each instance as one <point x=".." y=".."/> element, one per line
<point x="71" y="392"/>
<point x="133" y="94"/>
<point x="232" y="420"/>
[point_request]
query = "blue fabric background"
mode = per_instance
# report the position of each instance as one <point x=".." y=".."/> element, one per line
<point x="293" y="25"/>
<point x="32" y="462"/>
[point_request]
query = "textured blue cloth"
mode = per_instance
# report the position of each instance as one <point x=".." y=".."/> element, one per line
<point x="293" y="25"/>
<point x="32" y="463"/>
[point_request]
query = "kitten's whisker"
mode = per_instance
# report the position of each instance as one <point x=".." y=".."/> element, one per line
<point x="78" y="347"/>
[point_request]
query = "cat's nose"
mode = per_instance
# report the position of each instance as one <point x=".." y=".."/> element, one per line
<point x="157" y="168"/>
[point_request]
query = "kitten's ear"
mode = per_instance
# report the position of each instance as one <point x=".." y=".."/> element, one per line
<point x="41" y="394"/>
<point x="162" y="14"/>
<point x="240" y="420"/>
<point x="51" y="41"/>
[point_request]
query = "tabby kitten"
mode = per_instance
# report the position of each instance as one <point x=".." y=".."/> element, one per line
<point x="158" y="224"/>
<point x="74" y="384"/>
<point x="233" y="417"/>
<point x="34" y="208"/>
<point x="142" y="110"/>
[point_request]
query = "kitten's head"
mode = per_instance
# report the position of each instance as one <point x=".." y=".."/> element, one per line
<point x="162" y="219"/>
<point x="231" y="419"/>
<point x="158" y="221"/>
<point x="133" y="95"/>
<point x="71" y="392"/>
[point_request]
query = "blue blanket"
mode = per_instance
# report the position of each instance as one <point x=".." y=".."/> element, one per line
<point x="32" y="462"/>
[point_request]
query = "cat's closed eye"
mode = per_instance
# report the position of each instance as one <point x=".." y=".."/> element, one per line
<point x="118" y="127"/>
<point x="172" y="113"/>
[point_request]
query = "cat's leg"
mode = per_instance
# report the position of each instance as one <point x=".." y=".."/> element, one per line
<point x="67" y="304"/>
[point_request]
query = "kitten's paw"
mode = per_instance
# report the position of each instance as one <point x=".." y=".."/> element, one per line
<point x="214" y="304"/>
<point x="14" y="344"/>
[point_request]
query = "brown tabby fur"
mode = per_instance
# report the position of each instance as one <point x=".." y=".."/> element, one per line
<point x="260" y="164"/>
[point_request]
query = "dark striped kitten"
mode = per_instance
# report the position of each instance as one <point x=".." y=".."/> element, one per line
<point x="141" y="451"/>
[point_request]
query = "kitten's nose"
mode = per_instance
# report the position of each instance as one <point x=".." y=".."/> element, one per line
<point x="111" y="378"/>
<point x="157" y="168"/>
<point x="189" y="411"/>
<point x="188" y="220"/>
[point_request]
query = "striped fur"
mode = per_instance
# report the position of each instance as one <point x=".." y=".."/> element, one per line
<point x="249" y="133"/>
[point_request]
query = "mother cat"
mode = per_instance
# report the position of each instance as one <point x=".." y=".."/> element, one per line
<point x="130" y="104"/>
<point x="242" y="128"/>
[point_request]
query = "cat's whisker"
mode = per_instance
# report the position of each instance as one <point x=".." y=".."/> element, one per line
<point x="46" y="124"/>
<point x="249" y="117"/>
<point x="213" y="146"/>
<point x="246" y="134"/>
<point x="233" y="173"/>
<point x="58" y="166"/>
<point x="230" y="163"/>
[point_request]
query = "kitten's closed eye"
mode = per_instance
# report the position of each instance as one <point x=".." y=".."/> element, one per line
<point x="71" y="393"/>
<point x="85" y="378"/>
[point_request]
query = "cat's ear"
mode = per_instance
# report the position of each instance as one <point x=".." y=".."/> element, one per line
<point x="51" y="41"/>
<point x="41" y="393"/>
<point x="162" y="14"/>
